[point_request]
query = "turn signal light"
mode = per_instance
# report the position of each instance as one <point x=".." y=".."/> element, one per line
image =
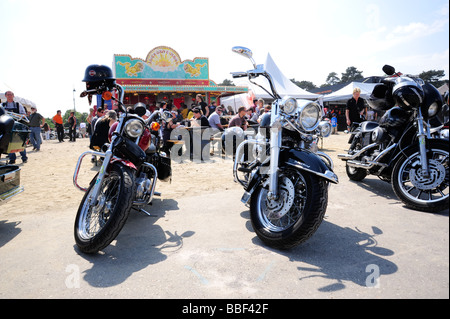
<point x="155" y="126"/>
<point x="107" y="95"/>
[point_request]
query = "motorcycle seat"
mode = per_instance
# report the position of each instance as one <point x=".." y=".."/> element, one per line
<point x="368" y="126"/>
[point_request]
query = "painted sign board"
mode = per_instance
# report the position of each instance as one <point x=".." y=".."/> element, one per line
<point x="162" y="66"/>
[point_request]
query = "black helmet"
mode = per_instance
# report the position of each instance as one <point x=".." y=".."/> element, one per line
<point x="407" y="93"/>
<point x="99" y="76"/>
<point x="140" y="109"/>
<point x="378" y="98"/>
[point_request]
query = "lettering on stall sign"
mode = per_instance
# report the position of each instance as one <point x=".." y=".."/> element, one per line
<point x="199" y="309"/>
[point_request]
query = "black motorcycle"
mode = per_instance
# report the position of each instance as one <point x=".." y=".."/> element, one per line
<point x="13" y="136"/>
<point x="132" y="163"/>
<point x="399" y="148"/>
<point x="286" y="184"/>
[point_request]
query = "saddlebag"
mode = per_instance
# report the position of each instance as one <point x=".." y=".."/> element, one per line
<point x="164" y="168"/>
<point x="9" y="181"/>
<point x="13" y="135"/>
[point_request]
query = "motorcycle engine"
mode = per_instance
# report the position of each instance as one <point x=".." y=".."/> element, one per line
<point x="142" y="187"/>
<point x="379" y="135"/>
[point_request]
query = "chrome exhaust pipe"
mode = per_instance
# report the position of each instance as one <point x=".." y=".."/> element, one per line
<point x="346" y="157"/>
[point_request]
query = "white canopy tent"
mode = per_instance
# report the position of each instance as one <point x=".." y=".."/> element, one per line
<point x="25" y="102"/>
<point x="346" y="92"/>
<point x="283" y="85"/>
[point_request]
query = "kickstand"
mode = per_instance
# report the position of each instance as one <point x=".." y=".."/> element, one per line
<point x="143" y="211"/>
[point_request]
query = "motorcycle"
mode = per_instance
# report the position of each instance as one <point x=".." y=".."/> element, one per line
<point x="132" y="164"/>
<point x="286" y="184"/>
<point x="399" y="149"/>
<point x="13" y="136"/>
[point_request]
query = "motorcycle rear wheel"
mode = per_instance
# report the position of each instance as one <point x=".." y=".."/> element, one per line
<point x="97" y="226"/>
<point x="303" y="218"/>
<point x="354" y="173"/>
<point x="419" y="193"/>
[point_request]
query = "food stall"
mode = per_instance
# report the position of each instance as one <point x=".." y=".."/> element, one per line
<point x="164" y="76"/>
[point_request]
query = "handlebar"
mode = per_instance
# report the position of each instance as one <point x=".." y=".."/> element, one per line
<point x="238" y="74"/>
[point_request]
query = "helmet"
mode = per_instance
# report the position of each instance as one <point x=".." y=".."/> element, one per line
<point x="378" y="99"/>
<point x="140" y="109"/>
<point x="99" y="76"/>
<point x="407" y="93"/>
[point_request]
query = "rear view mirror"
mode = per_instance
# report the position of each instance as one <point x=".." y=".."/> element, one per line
<point x="245" y="52"/>
<point x="389" y="70"/>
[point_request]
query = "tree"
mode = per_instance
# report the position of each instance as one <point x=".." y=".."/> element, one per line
<point x="305" y="85"/>
<point x="351" y="74"/>
<point x="433" y="77"/>
<point x="227" y="82"/>
<point x="332" y="79"/>
<point x="81" y="117"/>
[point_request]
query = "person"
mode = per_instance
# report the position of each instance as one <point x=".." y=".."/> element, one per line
<point x="259" y="107"/>
<point x="212" y="108"/>
<point x="239" y="119"/>
<point x="15" y="107"/>
<point x="101" y="130"/>
<point x="58" y="121"/>
<point x="46" y="131"/>
<point x="251" y="115"/>
<point x="202" y="105"/>
<point x="72" y="120"/>
<point x="354" y="109"/>
<point x="214" y="120"/>
<point x="167" y="129"/>
<point x="334" y="124"/>
<point x="100" y="112"/>
<point x="36" y="122"/>
<point x="371" y="114"/>
<point x="83" y="129"/>
<point x="184" y="110"/>
<point x="199" y="122"/>
<point x="89" y="121"/>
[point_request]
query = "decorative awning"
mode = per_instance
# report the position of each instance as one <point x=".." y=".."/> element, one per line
<point x="185" y="88"/>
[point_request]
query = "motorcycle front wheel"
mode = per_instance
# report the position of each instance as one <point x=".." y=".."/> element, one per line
<point x="420" y="192"/>
<point x="96" y="226"/>
<point x="296" y="214"/>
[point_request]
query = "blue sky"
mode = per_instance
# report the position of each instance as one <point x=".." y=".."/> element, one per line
<point x="47" y="44"/>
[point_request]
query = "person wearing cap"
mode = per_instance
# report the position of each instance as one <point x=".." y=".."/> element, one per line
<point x="15" y="107"/>
<point x="214" y="119"/>
<point x="36" y="122"/>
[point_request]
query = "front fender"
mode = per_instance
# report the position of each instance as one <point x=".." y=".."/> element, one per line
<point x="308" y="161"/>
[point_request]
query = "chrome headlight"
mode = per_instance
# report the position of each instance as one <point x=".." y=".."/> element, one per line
<point x="288" y="105"/>
<point x="134" y="128"/>
<point x="433" y="109"/>
<point x="309" y="115"/>
<point x="325" y="128"/>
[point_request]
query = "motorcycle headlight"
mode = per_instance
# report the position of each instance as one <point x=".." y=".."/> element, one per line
<point x="309" y="115"/>
<point x="288" y="105"/>
<point x="433" y="109"/>
<point x="325" y="128"/>
<point x="134" y="128"/>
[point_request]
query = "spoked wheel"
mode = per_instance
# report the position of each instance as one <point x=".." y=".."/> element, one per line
<point x="418" y="191"/>
<point x="296" y="214"/>
<point x="97" y="225"/>
<point x="355" y="173"/>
